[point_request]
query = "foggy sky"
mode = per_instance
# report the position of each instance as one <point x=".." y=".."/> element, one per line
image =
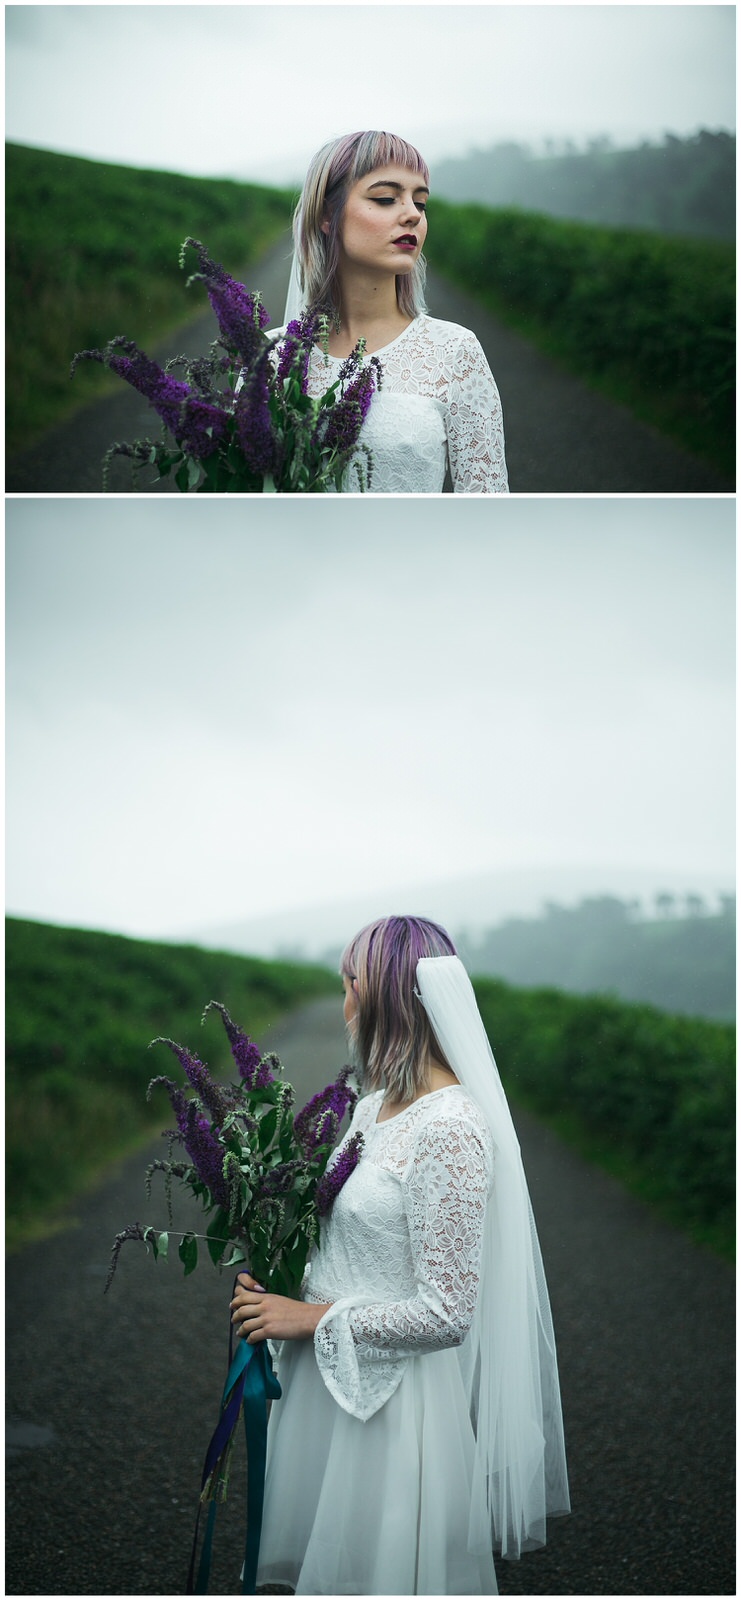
<point x="220" y="708"/>
<point x="252" y="91"/>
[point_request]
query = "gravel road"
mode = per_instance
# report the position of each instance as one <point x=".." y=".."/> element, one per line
<point x="112" y="1400"/>
<point x="561" y="437"/>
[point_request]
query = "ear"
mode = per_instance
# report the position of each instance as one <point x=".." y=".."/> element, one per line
<point x="325" y="226"/>
<point x="355" y="985"/>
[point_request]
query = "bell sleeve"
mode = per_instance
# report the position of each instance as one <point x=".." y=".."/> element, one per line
<point x="362" y="1347"/>
<point x="474" y="423"/>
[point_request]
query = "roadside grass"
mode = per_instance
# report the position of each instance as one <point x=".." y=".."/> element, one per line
<point x="646" y="1095"/>
<point x="646" y="319"/>
<point x="82" y="1008"/>
<point x="91" y="252"/>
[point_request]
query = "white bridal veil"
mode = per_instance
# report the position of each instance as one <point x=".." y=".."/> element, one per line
<point x="509" y="1357"/>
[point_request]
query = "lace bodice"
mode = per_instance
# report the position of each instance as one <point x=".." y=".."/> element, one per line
<point x="399" y="1255"/>
<point x="438" y="406"/>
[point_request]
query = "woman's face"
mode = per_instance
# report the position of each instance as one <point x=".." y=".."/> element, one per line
<point x="384" y="224"/>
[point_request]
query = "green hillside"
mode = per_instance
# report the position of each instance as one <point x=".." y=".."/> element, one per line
<point x="81" y="1009"/>
<point x="680" y="963"/>
<point x="92" y="251"/>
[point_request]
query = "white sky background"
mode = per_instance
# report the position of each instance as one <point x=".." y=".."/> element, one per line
<point x="220" y="709"/>
<point x="253" y="91"/>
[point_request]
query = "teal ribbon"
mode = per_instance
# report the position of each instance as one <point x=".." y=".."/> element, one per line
<point x="250" y="1384"/>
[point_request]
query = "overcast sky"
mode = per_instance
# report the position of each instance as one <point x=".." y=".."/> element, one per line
<point x="217" y="709"/>
<point x="252" y="91"/>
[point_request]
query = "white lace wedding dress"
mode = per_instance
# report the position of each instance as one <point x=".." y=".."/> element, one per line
<point x="371" y="1486"/>
<point x="438" y="407"/>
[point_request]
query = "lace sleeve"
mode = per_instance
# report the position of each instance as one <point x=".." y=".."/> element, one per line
<point x="361" y="1348"/>
<point x="474" y="424"/>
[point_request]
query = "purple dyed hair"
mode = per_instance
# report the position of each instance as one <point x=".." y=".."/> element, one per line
<point x="331" y="175"/>
<point x="392" y="1034"/>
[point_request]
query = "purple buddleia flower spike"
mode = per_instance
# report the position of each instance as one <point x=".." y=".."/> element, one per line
<point x="207" y="1155"/>
<point x="215" y="1101"/>
<point x="254" y="1071"/>
<point x="240" y="315"/>
<point x="254" y="423"/>
<point x="298" y="337"/>
<point x="135" y="1230"/>
<point x="341" y="430"/>
<point x="178" y="1100"/>
<point x="337" y="1175"/>
<point x="337" y="1098"/>
<point x="197" y="426"/>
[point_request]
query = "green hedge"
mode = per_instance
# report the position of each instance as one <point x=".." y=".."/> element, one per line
<point x="650" y="1095"/>
<point x="650" y="318"/>
<point x="91" y="251"/>
<point x="81" y="1009"/>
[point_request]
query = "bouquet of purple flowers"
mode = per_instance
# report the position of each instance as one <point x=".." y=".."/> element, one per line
<point x="264" y="1175"/>
<point x="240" y="419"/>
<point x="258" y="1169"/>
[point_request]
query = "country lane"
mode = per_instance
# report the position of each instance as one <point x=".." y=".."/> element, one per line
<point x="112" y="1400"/>
<point x="561" y="437"/>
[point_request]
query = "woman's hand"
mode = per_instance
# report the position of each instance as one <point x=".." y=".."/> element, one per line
<point x="257" y="1315"/>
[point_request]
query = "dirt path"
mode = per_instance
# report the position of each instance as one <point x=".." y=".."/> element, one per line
<point x="562" y="438"/>
<point x="112" y="1400"/>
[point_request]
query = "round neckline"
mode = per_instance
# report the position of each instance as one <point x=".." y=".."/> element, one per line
<point x="379" y="352"/>
<point x="445" y="1089"/>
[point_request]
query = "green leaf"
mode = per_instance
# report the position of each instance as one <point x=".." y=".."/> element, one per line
<point x="188" y="1253"/>
<point x="182" y="479"/>
<point x="194" y="472"/>
<point x="266" y="1129"/>
<point x="236" y="1257"/>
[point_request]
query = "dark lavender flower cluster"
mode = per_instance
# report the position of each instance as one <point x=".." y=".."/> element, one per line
<point x="318" y="1124"/>
<point x="343" y="424"/>
<point x="211" y="1094"/>
<point x="254" y="422"/>
<point x="337" y="1174"/>
<point x="241" y="316"/>
<point x="256" y="1071"/>
<point x="197" y="425"/>
<point x="297" y="342"/>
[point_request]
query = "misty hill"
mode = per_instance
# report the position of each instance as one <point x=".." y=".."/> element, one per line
<point x="681" y="960"/>
<point x="682" y="186"/>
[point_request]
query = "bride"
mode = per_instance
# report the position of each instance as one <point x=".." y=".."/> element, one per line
<point x="420" y="1425"/>
<point x="359" y="229"/>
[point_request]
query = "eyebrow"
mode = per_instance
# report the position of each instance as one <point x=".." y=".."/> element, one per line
<point x="388" y="183"/>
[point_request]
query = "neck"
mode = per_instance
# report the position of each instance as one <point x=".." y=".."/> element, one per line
<point x="369" y="305"/>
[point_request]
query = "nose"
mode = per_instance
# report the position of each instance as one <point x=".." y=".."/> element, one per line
<point x="412" y="212"/>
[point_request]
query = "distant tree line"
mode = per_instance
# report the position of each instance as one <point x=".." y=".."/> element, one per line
<point x="681" y="186"/>
<point x="681" y="960"/>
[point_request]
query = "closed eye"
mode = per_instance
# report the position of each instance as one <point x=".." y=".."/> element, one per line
<point x="389" y="200"/>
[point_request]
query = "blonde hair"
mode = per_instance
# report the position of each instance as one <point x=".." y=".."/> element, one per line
<point x="392" y="1034"/>
<point x="333" y="171"/>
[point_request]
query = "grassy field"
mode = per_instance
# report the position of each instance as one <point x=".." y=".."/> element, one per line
<point x="646" y="319"/>
<point x="646" y="1095"/>
<point x="81" y="1010"/>
<point x="91" y="252"/>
